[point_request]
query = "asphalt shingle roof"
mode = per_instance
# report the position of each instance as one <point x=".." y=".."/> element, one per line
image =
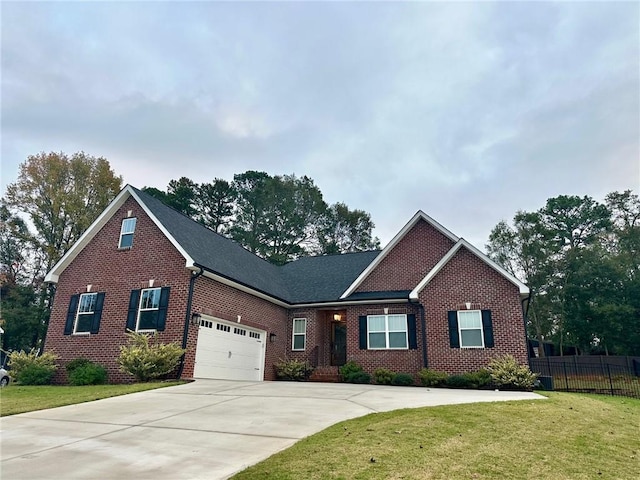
<point x="307" y="280"/>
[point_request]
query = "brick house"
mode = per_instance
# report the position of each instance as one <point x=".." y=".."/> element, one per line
<point x="428" y="298"/>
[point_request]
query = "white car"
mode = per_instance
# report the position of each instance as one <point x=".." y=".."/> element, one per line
<point x="4" y="377"/>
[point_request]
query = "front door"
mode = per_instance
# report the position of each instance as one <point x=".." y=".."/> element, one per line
<point x="338" y="343"/>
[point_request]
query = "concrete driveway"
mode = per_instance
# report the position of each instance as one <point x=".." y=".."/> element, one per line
<point x="206" y="429"/>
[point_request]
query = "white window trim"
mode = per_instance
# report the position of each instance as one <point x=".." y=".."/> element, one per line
<point x="460" y="329"/>
<point x="78" y="313"/>
<point x="140" y="309"/>
<point x="387" y="331"/>
<point x="294" y="335"/>
<point x="123" y="233"/>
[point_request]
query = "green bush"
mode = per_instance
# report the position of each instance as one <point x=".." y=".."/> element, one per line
<point x="432" y="378"/>
<point x="403" y="379"/>
<point x="293" y="370"/>
<point x="88" y="373"/>
<point x="506" y="372"/>
<point x="383" y="376"/>
<point x="478" y="379"/>
<point x="31" y="368"/>
<point x="457" y="381"/>
<point x="349" y="368"/>
<point x="357" y="377"/>
<point x="35" y="375"/>
<point x="146" y="359"/>
<point x="76" y="363"/>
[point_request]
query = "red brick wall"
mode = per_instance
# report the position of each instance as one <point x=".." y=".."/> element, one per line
<point x="117" y="272"/>
<point x="466" y="278"/>
<point x="409" y="261"/>
<point x="222" y="301"/>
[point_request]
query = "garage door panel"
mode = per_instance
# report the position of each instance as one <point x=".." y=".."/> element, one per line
<point x="227" y="351"/>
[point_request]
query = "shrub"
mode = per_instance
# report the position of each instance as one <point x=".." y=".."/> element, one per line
<point x="76" y="363"/>
<point x="506" y="372"/>
<point x="146" y="359"/>
<point x="31" y="368"/>
<point x="478" y="379"/>
<point x="403" y="379"/>
<point x="457" y="381"/>
<point x="349" y="368"/>
<point x="358" y="377"/>
<point x="84" y="372"/>
<point x="293" y="370"/>
<point x="383" y="376"/>
<point x="432" y="378"/>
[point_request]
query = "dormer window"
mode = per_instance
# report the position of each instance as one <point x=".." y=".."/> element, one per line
<point x="126" y="232"/>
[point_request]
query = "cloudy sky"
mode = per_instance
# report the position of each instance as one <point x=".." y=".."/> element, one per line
<point x="468" y="111"/>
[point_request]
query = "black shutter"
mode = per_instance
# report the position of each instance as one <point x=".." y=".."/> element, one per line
<point x="487" y="328"/>
<point x="71" y="314"/>
<point x="132" y="315"/>
<point x="454" y="337"/>
<point x="362" y="321"/>
<point x="413" y="338"/>
<point x="162" y="309"/>
<point x="97" y="313"/>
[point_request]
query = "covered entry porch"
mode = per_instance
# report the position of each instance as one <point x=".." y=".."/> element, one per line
<point x="330" y="352"/>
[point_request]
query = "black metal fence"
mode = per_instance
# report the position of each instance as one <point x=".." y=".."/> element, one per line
<point x="589" y="375"/>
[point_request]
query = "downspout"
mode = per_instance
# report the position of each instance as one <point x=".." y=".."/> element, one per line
<point x="187" y="316"/>
<point x="423" y="324"/>
<point x="525" y="313"/>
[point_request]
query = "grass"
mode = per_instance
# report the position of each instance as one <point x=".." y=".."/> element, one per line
<point x="621" y="384"/>
<point x="568" y="436"/>
<point x="20" y="399"/>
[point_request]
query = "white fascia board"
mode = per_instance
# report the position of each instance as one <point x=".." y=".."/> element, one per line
<point x="188" y="260"/>
<point x="53" y="275"/>
<point x="349" y="303"/>
<point x="420" y="215"/>
<point x="524" y="290"/>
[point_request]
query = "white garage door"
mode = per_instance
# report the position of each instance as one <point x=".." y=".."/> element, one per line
<point x="229" y="351"/>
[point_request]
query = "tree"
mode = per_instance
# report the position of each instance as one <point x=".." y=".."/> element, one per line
<point x="341" y="230"/>
<point x="292" y="207"/>
<point x="214" y="204"/>
<point x="181" y="195"/>
<point x="251" y="200"/>
<point x="62" y="196"/>
<point x="579" y="258"/>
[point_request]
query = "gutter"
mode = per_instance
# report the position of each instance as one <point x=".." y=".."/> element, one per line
<point x="187" y="316"/>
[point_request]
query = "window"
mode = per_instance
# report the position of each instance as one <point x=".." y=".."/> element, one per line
<point x="148" y="309"/>
<point x="387" y="332"/>
<point x="126" y="233"/>
<point x="84" y="313"/>
<point x="86" y="309"/>
<point x="299" y="333"/>
<point x="470" y="329"/>
<point x="470" y="326"/>
<point x="149" y="306"/>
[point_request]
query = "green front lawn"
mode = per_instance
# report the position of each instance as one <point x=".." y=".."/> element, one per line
<point x="568" y="436"/>
<point x="20" y="399"/>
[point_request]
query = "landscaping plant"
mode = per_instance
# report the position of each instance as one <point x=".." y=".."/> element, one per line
<point x="145" y="358"/>
<point x="403" y="379"/>
<point x="432" y="378"/>
<point x="506" y="372"/>
<point x="351" y="372"/>
<point x="85" y="372"/>
<point x="383" y="376"/>
<point x="293" y="370"/>
<point x="31" y="368"/>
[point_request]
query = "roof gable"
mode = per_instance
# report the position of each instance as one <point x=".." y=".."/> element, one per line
<point x="420" y="215"/>
<point x="96" y="226"/>
<point x="524" y="290"/>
